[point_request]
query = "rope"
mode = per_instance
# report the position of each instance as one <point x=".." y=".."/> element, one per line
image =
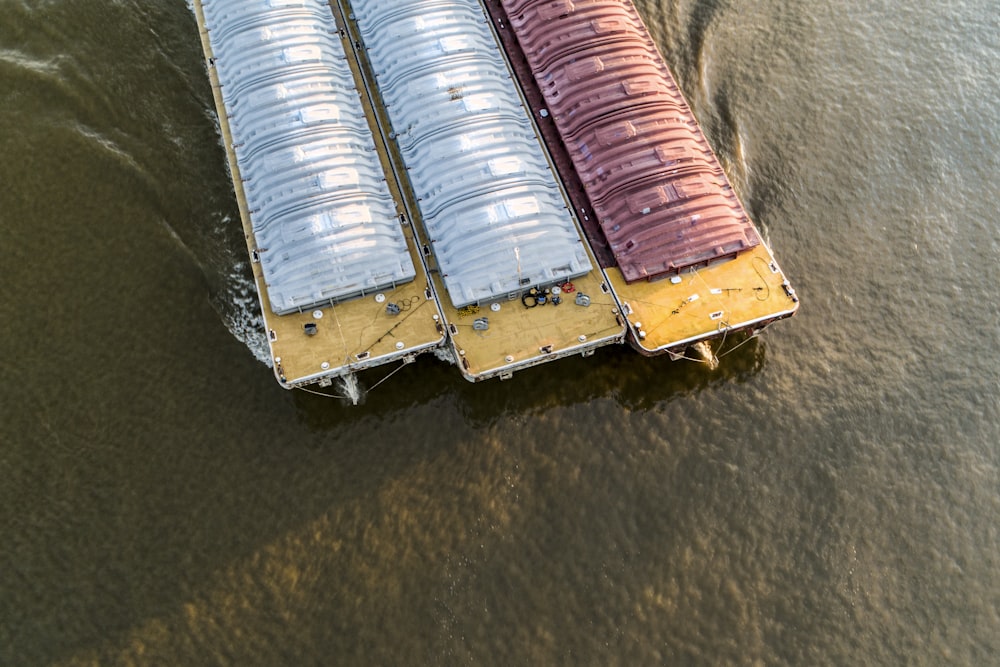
<point x="340" y="329"/>
<point x="725" y="332"/>
<point x="397" y="324"/>
<point x="767" y="294"/>
<point x="319" y="393"/>
<point x="700" y="361"/>
<point x="736" y="347"/>
<point x="398" y="368"/>
<point x="369" y="390"/>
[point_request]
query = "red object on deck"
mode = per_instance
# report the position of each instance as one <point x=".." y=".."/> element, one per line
<point x="659" y="193"/>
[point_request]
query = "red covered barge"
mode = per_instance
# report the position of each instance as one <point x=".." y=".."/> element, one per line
<point x="679" y="249"/>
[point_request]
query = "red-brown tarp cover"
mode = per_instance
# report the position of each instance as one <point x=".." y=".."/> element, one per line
<point x="659" y="192"/>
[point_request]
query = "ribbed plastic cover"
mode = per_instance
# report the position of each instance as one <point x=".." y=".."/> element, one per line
<point x="661" y="197"/>
<point x="489" y="200"/>
<point x="321" y="212"/>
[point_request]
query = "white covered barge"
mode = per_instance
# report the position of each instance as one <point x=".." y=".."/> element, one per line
<point x="325" y="229"/>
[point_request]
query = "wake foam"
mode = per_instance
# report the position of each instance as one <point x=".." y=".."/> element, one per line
<point x="241" y="313"/>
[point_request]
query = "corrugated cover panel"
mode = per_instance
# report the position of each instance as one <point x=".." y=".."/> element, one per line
<point x="324" y="221"/>
<point x="660" y="194"/>
<point x="491" y="204"/>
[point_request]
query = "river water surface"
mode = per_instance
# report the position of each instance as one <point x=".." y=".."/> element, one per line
<point x="829" y="495"/>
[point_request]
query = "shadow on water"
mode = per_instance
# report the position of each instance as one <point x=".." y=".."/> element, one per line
<point x="723" y="56"/>
<point x="682" y="30"/>
<point x="700" y="24"/>
<point x="211" y="525"/>
<point x="615" y="373"/>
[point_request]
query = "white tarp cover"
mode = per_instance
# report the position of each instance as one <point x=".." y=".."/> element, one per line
<point x="488" y="198"/>
<point x="325" y="224"/>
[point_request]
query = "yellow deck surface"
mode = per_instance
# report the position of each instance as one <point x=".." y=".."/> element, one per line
<point x="520" y="337"/>
<point x="728" y="295"/>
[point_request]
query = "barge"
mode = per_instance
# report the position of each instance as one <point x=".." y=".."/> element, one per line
<point x="680" y="251"/>
<point x="505" y="182"/>
<point x="496" y="225"/>
<point x="341" y="281"/>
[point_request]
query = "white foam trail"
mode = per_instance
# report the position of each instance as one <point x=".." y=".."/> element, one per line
<point x="444" y="354"/>
<point x="351" y="388"/>
<point x="48" y="68"/>
<point x="111" y="148"/>
<point x="703" y="350"/>
<point x="237" y="303"/>
<point x="241" y="315"/>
